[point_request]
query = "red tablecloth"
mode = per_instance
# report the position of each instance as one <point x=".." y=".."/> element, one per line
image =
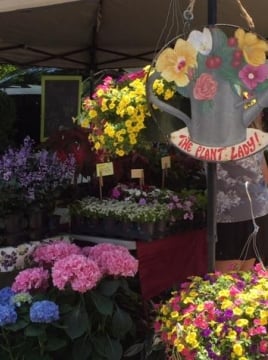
<point x="169" y="261"/>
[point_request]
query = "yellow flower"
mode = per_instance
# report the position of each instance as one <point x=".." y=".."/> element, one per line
<point x="97" y="145"/>
<point x="179" y="345"/>
<point x="168" y="94"/>
<point x="252" y="47"/>
<point x="231" y="335"/>
<point x="191" y="337"/>
<point x="174" y="64"/>
<point x="238" y="349"/>
<point x="237" y="311"/>
<point x="224" y="292"/>
<point x="250" y="310"/>
<point x="226" y="304"/>
<point x="241" y="322"/>
<point x="92" y="113"/>
<point x="109" y="130"/>
<point x="119" y="152"/>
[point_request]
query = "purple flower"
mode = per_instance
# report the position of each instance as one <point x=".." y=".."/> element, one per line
<point x="44" y="311"/>
<point x="8" y="315"/>
<point x="6" y="294"/>
<point x="252" y="75"/>
<point x="142" y="201"/>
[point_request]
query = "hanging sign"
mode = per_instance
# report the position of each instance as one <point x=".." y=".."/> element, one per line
<point x="256" y="140"/>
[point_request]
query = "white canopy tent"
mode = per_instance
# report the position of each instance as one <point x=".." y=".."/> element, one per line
<point x="100" y="34"/>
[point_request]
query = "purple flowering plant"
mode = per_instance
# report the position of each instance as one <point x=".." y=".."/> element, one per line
<point x="220" y="316"/>
<point x="71" y="303"/>
<point x="31" y="176"/>
<point x="184" y="205"/>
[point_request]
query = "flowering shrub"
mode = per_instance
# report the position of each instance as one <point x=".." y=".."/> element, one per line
<point x="117" y="110"/>
<point x="219" y="316"/>
<point x="32" y="177"/>
<point x="195" y="65"/>
<point x="131" y="203"/>
<point x="74" y="303"/>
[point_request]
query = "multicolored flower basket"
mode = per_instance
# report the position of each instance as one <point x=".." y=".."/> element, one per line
<point x="220" y="316"/>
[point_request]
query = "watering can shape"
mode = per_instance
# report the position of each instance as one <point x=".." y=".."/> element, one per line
<point x="224" y="124"/>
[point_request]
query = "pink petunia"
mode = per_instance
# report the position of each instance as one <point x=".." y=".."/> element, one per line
<point x="251" y="76"/>
<point x="49" y="253"/>
<point x="31" y="279"/>
<point x="77" y="271"/>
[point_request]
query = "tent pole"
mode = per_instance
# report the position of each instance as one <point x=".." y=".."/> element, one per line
<point x="211" y="176"/>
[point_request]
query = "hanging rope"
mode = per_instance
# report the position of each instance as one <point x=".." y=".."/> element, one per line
<point x="188" y="16"/>
<point x="246" y="15"/>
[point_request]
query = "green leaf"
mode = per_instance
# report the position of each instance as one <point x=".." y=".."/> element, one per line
<point x="34" y="330"/>
<point x="20" y="324"/>
<point x="121" y="323"/>
<point x="81" y="349"/>
<point x="108" y="348"/>
<point x="103" y="304"/>
<point x="134" y="350"/>
<point x="76" y="322"/>
<point x="109" y="286"/>
<point x="55" y="343"/>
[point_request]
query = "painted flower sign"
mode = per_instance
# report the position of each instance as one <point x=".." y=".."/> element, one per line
<point x="226" y="79"/>
<point x="204" y="57"/>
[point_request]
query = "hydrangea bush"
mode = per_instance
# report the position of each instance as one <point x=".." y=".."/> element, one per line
<point x="73" y="303"/>
<point x="219" y="317"/>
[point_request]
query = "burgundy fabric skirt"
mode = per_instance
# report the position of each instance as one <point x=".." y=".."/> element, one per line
<point x="232" y="238"/>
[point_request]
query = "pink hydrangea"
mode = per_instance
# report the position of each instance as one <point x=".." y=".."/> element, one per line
<point x="49" y="253"/>
<point x="116" y="262"/>
<point x="77" y="271"/>
<point x="95" y="251"/>
<point x="31" y="279"/>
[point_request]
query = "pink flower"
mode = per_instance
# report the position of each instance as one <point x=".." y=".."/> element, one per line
<point x="205" y="87"/>
<point x="252" y="75"/>
<point x="263" y="346"/>
<point x="78" y="271"/>
<point x="96" y="250"/>
<point x="30" y="279"/>
<point x="49" y="253"/>
<point x="114" y="259"/>
<point x="200" y="322"/>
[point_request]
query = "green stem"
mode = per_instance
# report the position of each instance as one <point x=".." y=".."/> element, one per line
<point x="7" y="348"/>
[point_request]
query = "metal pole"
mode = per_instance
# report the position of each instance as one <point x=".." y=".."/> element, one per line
<point x="211" y="176"/>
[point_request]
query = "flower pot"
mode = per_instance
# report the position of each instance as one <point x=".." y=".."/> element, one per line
<point x="231" y="265"/>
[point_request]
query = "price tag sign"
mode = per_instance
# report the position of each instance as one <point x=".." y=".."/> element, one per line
<point x="137" y="173"/>
<point x="165" y="162"/>
<point x="105" y="169"/>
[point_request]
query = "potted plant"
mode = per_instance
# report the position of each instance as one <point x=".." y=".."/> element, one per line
<point x="31" y="181"/>
<point x="218" y="316"/>
<point x="72" y="303"/>
<point x="116" y="113"/>
<point x="133" y="208"/>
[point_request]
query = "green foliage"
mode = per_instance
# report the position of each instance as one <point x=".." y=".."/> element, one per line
<point x="6" y="70"/>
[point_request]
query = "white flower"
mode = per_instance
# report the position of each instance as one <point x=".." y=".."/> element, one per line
<point x="201" y="41"/>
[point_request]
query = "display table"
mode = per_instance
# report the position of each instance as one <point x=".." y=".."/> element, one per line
<point x="166" y="262"/>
